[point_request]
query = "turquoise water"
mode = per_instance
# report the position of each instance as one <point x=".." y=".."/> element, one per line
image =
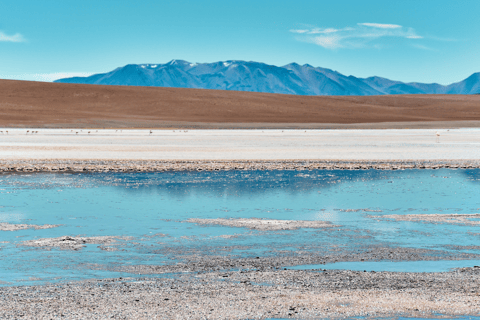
<point x="405" y="318"/>
<point x="151" y="209"/>
<point x="393" y="266"/>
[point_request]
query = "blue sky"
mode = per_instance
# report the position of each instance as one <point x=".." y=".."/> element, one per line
<point x="423" y="41"/>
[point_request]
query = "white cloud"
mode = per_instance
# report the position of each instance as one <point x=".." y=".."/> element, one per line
<point x="421" y="46"/>
<point x="380" y="25"/>
<point x="46" y="77"/>
<point x="329" y="42"/>
<point x="327" y="30"/>
<point x="414" y="36"/>
<point x="299" y="30"/>
<point x="363" y="35"/>
<point x="13" y="38"/>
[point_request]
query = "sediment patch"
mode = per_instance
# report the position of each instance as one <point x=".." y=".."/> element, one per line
<point x="71" y="243"/>
<point x="264" y="224"/>
<point x="5" y="226"/>
<point x="453" y="218"/>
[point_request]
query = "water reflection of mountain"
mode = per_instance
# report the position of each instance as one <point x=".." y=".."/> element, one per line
<point x="252" y="183"/>
<point x="180" y="184"/>
<point x="472" y="175"/>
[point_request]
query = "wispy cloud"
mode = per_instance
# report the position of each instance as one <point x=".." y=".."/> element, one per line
<point x="363" y="35"/>
<point x="17" y="37"/>
<point x="380" y="25"/>
<point x="46" y="77"/>
<point x="320" y="30"/>
<point x="422" y="47"/>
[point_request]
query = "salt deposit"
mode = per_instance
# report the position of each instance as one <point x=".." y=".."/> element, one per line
<point x="378" y="145"/>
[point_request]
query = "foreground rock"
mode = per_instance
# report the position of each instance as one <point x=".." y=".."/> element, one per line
<point x="252" y="295"/>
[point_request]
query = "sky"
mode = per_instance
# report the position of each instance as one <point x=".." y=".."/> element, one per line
<point x="431" y="41"/>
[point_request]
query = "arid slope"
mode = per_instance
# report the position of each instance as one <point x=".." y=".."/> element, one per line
<point x="38" y="104"/>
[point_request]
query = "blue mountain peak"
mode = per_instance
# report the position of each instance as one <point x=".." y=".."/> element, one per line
<point x="260" y="77"/>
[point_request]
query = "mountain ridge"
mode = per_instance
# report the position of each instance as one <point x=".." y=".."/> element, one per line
<point x="252" y="76"/>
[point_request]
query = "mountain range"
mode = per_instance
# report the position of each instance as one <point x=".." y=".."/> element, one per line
<point x="260" y="77"/>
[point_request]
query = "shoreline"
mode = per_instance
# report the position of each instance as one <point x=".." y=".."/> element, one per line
<point x="77" y="166"/>
<point x="253" y="294"/>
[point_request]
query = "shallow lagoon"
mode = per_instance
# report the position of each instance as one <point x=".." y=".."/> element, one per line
<point x="151" y="208"/>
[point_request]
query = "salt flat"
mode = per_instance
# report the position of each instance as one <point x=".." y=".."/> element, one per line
<point x="111" y="144"/>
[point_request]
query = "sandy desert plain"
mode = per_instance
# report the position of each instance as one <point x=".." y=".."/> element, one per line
<point x="69" y="131"/>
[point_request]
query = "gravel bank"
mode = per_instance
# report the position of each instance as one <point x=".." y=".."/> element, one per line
<point x="201" y="165"/>
<point x="197" y="261"/>
<point x="251" y="295"/>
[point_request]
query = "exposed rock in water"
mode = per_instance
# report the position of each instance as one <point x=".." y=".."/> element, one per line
<point x="71" y="243"/>
<point x="5" y="226"/>
<point x="265" y="224"/>
<point x="452" y="218"/>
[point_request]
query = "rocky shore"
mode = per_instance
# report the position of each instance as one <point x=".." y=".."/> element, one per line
<point x="216" y="165"/>
<point x="251" y="294"/>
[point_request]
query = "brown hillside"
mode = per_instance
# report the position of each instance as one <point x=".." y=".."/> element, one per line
<point x="38" y="104"/>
